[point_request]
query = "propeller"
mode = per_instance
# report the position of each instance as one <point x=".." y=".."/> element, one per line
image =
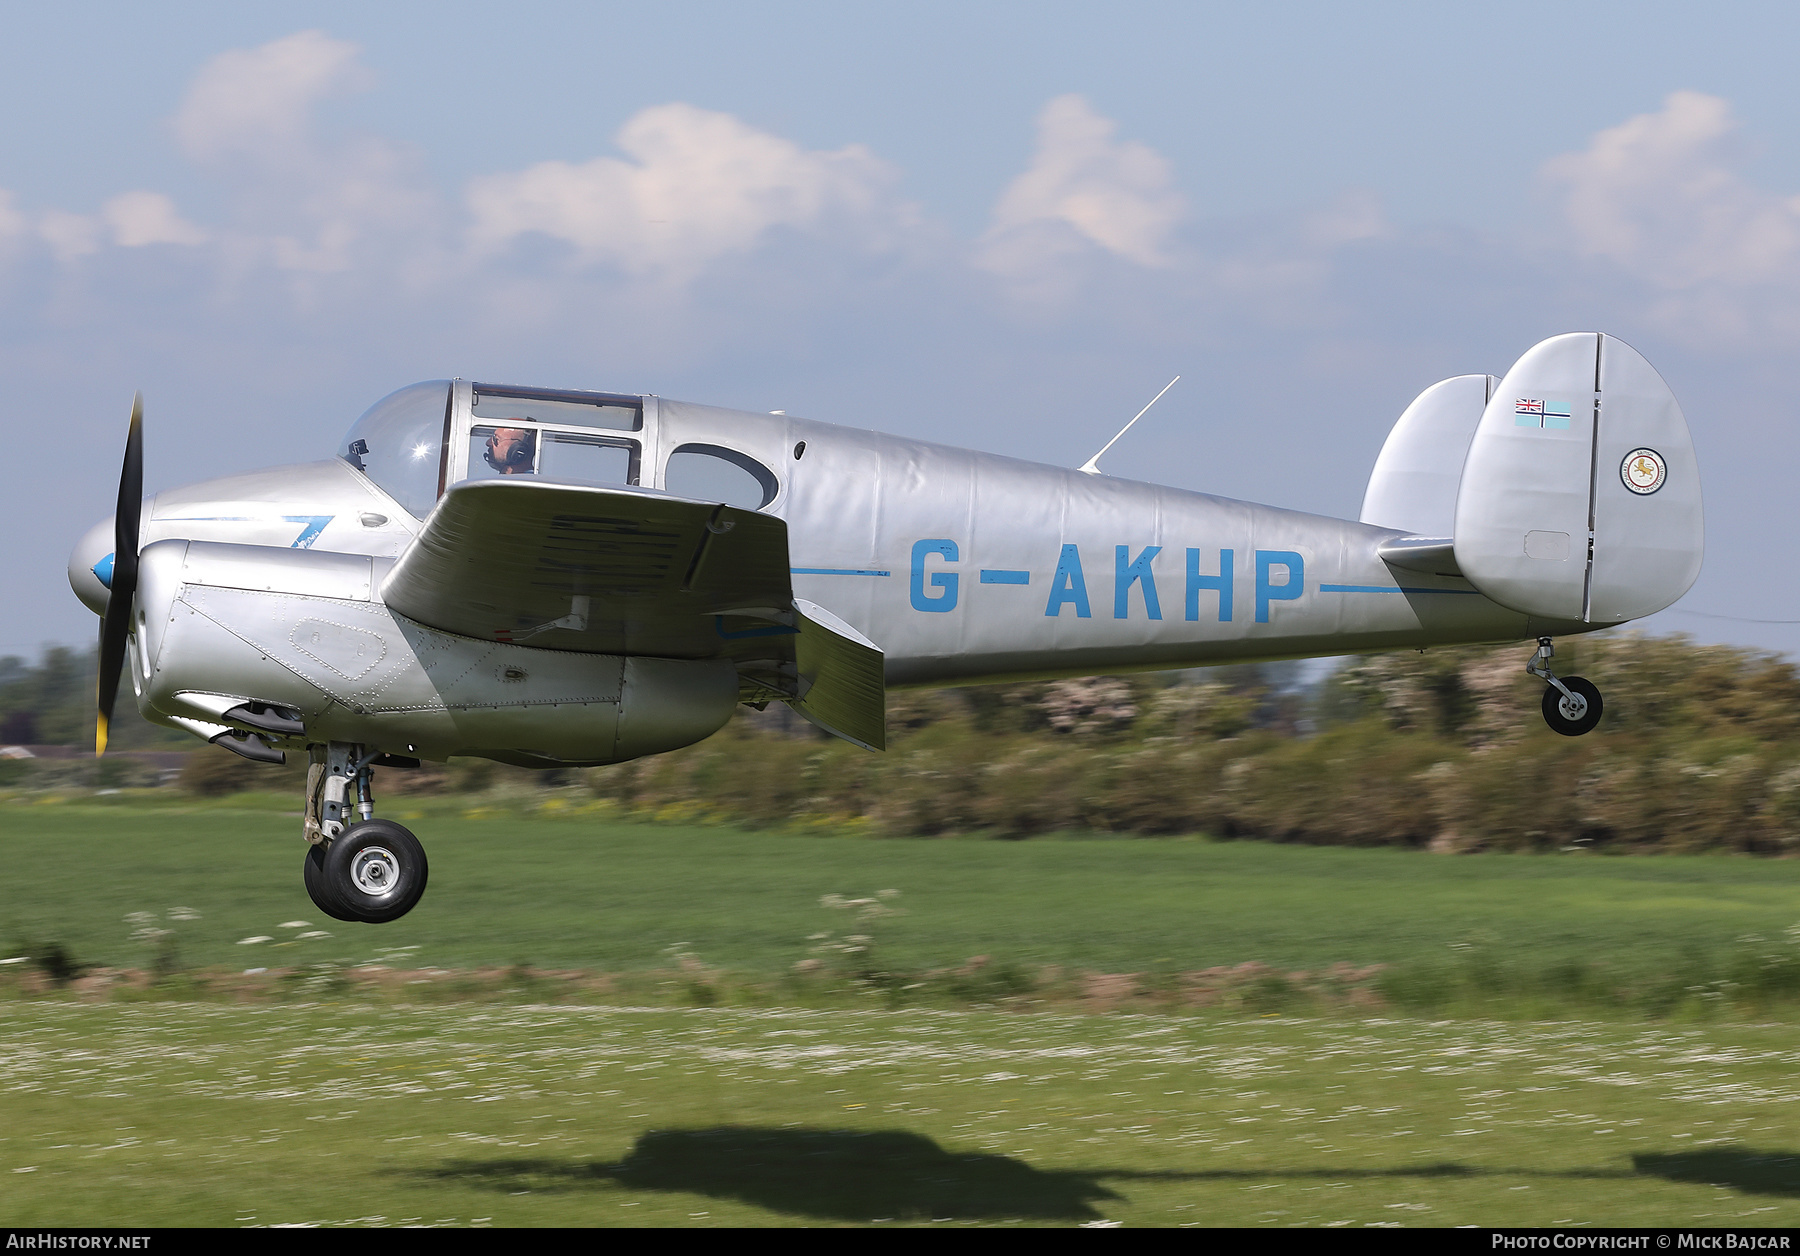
<point x="117" y="624"/>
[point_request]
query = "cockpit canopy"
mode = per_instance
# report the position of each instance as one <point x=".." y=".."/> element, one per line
<point x="399" y="444"/>
<point x="414" y="442"/>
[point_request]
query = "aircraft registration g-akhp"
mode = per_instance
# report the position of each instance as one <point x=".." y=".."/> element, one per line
<point x="556" y="578"/>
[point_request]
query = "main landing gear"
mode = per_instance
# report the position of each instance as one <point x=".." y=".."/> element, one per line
<point x="357" y="867"/>
<point x="1571" y="705"/>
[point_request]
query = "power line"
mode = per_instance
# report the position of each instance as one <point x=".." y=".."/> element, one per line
<point x="1737" y="619"/>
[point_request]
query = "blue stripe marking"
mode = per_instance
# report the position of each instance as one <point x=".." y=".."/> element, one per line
<point x="835" y="571"/>
<point x="993" y="575"/>
<point x="315" y="524"/>
<point x="1388" y="588"/>
<point x="104" y="570"/>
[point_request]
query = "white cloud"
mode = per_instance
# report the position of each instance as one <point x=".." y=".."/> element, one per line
<point x="1085" y="187"/>
<point x="258" y="102"/>
<point x="69" y="235"/>
<point x="698" y="185"/>
<point x="305" y="202"/>
<point x="1660" y="194"/>
<point x="12" y="222"/>
<point x="140" y="218"/>
<point x="130" y="220"/>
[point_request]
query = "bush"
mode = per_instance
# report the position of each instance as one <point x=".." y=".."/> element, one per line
<point x="212" y="772"/>
<point x="1699" y="750"/>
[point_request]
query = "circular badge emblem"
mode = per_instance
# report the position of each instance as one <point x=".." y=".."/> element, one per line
<point x="1643" y="471"/>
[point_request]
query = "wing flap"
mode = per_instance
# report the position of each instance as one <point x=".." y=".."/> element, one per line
<point x="842" y="682"/>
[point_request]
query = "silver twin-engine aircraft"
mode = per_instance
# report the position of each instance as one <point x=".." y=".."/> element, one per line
<point x="556" y="578"/>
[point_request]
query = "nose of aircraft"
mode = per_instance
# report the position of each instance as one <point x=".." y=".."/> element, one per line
<point x="90" y="566"/>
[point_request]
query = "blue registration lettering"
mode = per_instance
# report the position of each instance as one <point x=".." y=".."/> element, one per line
<point x="1221" y="582"/>
<point x="944" y="580"/>
<point x="1127" y="573"/>
<point x="1266" y="592"/>
<point x="1068" y="586"/>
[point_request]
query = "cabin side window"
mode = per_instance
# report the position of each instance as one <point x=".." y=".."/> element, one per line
<point x="712" y="473"/>
<point x="489" y="403"/>
<point x="525" y="449"/>
<point x="554" y="434"/>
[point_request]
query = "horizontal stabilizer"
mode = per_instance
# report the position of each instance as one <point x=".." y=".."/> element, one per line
<point x="843" y="688"/>
<point x="598" y="570"/>
<point x="1431" y="555"/>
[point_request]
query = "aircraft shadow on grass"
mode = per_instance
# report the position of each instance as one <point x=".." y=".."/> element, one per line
<point x="858" y="1175"/>
<point x="834" y="1174"/>
<point x="1740" y="1168"/>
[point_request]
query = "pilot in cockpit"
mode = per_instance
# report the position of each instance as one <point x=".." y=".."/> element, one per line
<point x="512" y="450"/>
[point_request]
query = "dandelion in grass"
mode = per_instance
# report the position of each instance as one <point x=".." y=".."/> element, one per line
<point x="867" y="911"/>
<point x="144" y="927"/>
<point x="391" y="957"/>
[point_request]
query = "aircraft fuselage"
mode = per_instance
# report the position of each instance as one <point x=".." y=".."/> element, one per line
<point x="962" y="566"/>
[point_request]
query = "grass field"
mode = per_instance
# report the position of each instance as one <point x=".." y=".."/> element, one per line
<point x="587" y="893"/>
<point x="322" y="1102"/>
<point x="169" y="1113"/>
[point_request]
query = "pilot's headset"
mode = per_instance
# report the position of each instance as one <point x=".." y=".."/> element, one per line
<point x="521" y="455"/>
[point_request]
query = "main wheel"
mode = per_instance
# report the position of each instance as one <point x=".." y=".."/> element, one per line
<point x="375" y="871"/>
<point x="1575" y="714"/>
<point x="313" y="873"/>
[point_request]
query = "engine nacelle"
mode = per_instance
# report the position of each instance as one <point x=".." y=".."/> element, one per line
<point x="220" y="624"/>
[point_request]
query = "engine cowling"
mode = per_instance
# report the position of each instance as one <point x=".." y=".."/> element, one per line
<point x="304" y="630"/>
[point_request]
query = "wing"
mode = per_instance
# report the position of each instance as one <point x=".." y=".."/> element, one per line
<point x="633" y="571"/>
<point x="600" y="570"/>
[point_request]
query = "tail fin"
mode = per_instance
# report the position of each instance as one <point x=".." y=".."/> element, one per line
<point x="1580" y="495"/>
<point x="1413" y="486"/>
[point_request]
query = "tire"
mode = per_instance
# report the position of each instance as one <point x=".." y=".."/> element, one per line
<point x="1585" y="713"/>
<point x="375" y="871"/>
<point x="313" y="873"/>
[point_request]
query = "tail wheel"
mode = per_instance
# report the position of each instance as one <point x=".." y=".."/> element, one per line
<point x="375" y="871"/>
<point x="313" y="873"/>
<point x="1574" y="713"/>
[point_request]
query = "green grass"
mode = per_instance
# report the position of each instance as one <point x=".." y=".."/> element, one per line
<point x="185" y="1114"/>
<point x="323" y="1103"/>
<point x="588" y="893"/>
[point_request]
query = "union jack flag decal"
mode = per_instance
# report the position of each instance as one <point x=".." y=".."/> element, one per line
<point x="1533" y="412"/>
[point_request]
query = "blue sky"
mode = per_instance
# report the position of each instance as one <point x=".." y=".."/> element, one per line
<point x="1005" y="228"/>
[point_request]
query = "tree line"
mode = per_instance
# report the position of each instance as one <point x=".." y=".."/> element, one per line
<point x="1445" y="749"/>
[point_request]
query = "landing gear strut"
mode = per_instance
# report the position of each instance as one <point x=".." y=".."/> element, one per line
<point x="1571" y="705"/>
<point x="356" y="868"/>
